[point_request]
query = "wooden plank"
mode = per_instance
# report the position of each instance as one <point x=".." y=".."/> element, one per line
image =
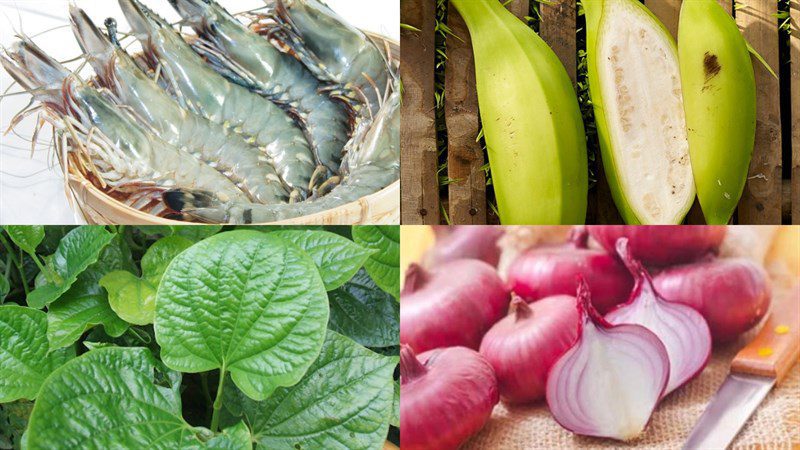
<point x="418" y="155"/>
<point x="467" y="194"/>
<point x="761" y="200"/>
<point x="557" y="28"/>
<point x="667" y="12"/>
<point x="794" y="43"/>
<point x="520" y="8"/>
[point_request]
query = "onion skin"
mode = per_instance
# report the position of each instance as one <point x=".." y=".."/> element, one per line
<point x="524" y="345"/>
<point x="447" y="396"/>
<point x="548" y="271"/>
<point x="733" y="295"/>
<point x="683" y="331"/>
<point x="662" y="245"/>
<point x="465" y="242"/>
<point x="451" y="305"/>
<point x="613" y="376"/>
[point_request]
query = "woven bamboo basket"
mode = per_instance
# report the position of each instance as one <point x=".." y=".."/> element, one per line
<point x="380" y="208"/>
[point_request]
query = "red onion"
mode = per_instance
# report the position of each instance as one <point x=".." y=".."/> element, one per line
<point x="662" y="245"/>
<point x="547" y="271"/>
<point x="452" y="304"/>
<point x="609" y="382"/>
<point x="682" y="330"/>
<point x="447" y="396"/>
<point x="732" y="294"/>
<point x="465" y="242"/>
<point x="524" y="345"/>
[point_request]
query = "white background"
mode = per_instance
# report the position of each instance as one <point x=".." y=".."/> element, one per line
<point x="32" y="189"/>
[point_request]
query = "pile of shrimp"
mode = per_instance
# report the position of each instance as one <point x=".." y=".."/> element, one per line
<point x="293" y="114"/>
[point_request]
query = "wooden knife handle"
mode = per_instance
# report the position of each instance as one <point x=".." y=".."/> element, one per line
<point x="777" y="347"/>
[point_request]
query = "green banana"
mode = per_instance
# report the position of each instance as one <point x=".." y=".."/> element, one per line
<point x="719" y="96"/>
<point x="531" y="119"/>
<point x="634" y="84"/>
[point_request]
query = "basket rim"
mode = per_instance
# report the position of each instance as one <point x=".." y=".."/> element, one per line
<point x="78" y="181"/>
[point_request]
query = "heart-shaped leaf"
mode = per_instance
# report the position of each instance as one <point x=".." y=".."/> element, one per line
<point x="383" y="265"/>
<point x="79" y="249"/>
<point x="113" y="397"/>
<point x="344" y="402"/>
<point x="247" y="303"/>
<point x="85" y="304"/>
<point x="134" y="298"/>
<point x="25" y="357"/>
<point x="27" y="237"/>
<point x="337" y="258"/>
<point x="363" y="312"/>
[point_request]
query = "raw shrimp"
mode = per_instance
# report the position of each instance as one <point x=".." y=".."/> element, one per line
<point x="248" y="59"/>
<point x="339" y="51"/>
<point x="228" y="153"/>
<point x="203" y="91"/>
<point x="124" y="155"/>
<point x="371" y="164"/>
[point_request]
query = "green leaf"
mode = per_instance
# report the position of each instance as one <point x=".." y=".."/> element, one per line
<point x="25" y="356"/>
<point x="13" y="422"/>
<point x="384" y="265"/>
<point x="79" y="249"/>
<point x="247" y="303"/>
<point x="160" y="254"/>
<point x="5" y="288"/>
<point x="343" y="402"/>
<point x="236" y="437"/>
<point x="363" y="312"/>
<point x="85" y="305"/>
<point x="195" y="233"/>
<point x="27" y="237"/>
<point x="133" y="299"/>
<point x="337" y="258"/>
<point x="112" y="397"/>
<point x="395" y="422"/>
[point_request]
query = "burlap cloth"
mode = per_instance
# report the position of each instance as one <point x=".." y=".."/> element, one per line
<point x="774" y="425"/>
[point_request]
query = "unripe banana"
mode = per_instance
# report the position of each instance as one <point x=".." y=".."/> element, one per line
<point x="719" y="96"/>
<point x="634" y="83"/>
<point x="531" y="119"/>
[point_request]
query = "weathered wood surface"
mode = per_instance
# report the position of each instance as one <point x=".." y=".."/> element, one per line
<point x="761" y="200"/>
<point x="467" y="188"/>
<point x="418" y="154"/>
<point x="794" y="42"/>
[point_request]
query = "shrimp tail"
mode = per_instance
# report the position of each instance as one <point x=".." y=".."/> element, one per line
<point x="202" y="206"/>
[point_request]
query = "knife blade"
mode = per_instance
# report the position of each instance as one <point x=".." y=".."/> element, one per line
<point x="754" y="371"/>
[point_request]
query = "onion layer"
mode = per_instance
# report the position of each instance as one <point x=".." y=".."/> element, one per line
<point x="682" y="330"/>
<point x="732" y="294"/>
<point x="524" y="345"/>
<point x="450" y="305"/>
<point x="447" y="396"/>
<point x="662" y="245"/>
<point x="547" y="271"/>
<point x="609" y="382"/>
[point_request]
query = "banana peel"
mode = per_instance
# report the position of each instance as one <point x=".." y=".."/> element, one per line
<point x="719" y="95"/>
<point x="531" y="119"/>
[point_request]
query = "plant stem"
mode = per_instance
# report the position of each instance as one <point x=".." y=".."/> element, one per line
<point x="23" y="277"/>
<point x="206" y="393"/>
<point x="218" y="401"/>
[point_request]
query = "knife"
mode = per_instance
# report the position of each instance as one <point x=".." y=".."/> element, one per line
<point x="754" y="371"/>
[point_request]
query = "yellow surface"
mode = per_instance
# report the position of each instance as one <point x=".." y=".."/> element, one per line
<point x="414" y="240"/>
<point x="786" y="248"/>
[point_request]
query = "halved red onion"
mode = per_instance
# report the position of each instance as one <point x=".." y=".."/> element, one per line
<point x="662" y="245"/>
<point x="524" y="345"/>
<point x="682" y="330"/>
<point x="447" y="396"/>
<point x="609" y="382"/>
